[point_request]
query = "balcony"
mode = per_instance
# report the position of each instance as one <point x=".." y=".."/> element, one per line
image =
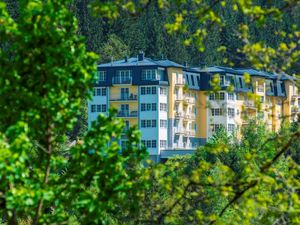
<point x="191" y="133"/>
<point x="126" y="114"/>
<point x="122" y="80"/>
<point x="179" y="82"/>
<point x="189" y="116"/>
<point x="179" y="130"/>
<point x="226" y="83"/>
<point x="131" y="97"/>
<point x="179" y="114"/>
<point x="294" y="110"/>
<point x="249" y="105"/>
<point x="260" y="88"/>
<point x="189" y="100"/>
<point x="179" y="98"/>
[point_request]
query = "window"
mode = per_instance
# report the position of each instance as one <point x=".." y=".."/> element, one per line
<point x="99" y="91"/>
<point x="93" y="108"/>
<point x="241" y="82"/>
<point x="153" y="143"/>
<point x="192" y="78"/>
<point x="282" y="87"/>
<point x="153" y="107"/>
<point x="123" y="77"/>
<point x="176" y="122"/>
<point x="154" y="90"/>
<point x="148" y="107"/>
<point x="222" y="80"/>
<point x="149" y="143"/>
<point x="216" y="127"/>
<point x="123" y="144"/>
<point x="100" y="76"/>
<point x="148" y="90"/>
<point x="149" y="75"/>
<point x="230" y="112"/>
<point x="163" y="143"/>
<point x="217" y="112"/>
<point x="163" y="107"/>
<point x="126" y="125"/>
<point x="271" y="87"/>
<point x="198" y="80"/>
<point x="163" y="91"/>
<point x="231" y="128"/>
<point x="187" y="79"/>
<point x="230" y="96"/>
<point x="98" y="108"/>
<point x="221" y="96"/>
<point x="148" y="123"/>
<point x="217" y="96"/>
<point x="163" y="123"/>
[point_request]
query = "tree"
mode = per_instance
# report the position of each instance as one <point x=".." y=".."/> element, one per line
<point x="113" y="49"/>
<point x="45" y="72"/>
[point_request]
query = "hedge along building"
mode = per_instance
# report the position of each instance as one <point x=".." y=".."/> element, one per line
<point x="171" y="104"/>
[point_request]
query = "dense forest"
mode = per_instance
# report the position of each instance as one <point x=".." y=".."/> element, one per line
<point x="129" y="34"/>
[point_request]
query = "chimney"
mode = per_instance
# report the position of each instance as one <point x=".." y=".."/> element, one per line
<point x="185" y="64"/>
<point x="141" y="56"/>
<point x="126" y="58"/>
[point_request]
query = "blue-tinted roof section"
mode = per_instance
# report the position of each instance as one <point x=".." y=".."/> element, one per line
<point x="145" y="62"/>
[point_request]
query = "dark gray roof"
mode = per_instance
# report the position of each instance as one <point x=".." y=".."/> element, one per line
<point x="145" y="62"/>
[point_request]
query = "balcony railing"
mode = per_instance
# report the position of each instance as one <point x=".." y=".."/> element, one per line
<point x="184" y="131"/>
<point x="189" y="116"/>
<point x="179" y="130"/>
<point x="189" y="100"/>
<point x="249" y="104"/>
<point x="179" y="98"/>
<point x="260" y="88"/>
<point x="130" y="97"/>
<point x="179" y="82"/>
<point x="179" y="114"/>
<point x="127" y="114"/>
<point x="121" y="80"/>
<point x="226" y="83"/>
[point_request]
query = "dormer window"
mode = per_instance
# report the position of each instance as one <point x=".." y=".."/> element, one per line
<point x="241" y="82"/>
<point x="271" y="87"/>
<point x="150" y="74"/>
<point x="100" y="76"/>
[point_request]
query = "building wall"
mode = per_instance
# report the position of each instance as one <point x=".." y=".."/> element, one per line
<point x="193" y="113"/>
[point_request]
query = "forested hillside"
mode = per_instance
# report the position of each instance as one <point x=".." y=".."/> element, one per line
<point x="145" y="31"/>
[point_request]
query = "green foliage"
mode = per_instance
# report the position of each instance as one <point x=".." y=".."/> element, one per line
<point x="45" y="73"/>
<point x="114" y="49"/>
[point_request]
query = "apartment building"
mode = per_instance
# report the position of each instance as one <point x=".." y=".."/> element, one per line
<point x="173" y="105"/>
